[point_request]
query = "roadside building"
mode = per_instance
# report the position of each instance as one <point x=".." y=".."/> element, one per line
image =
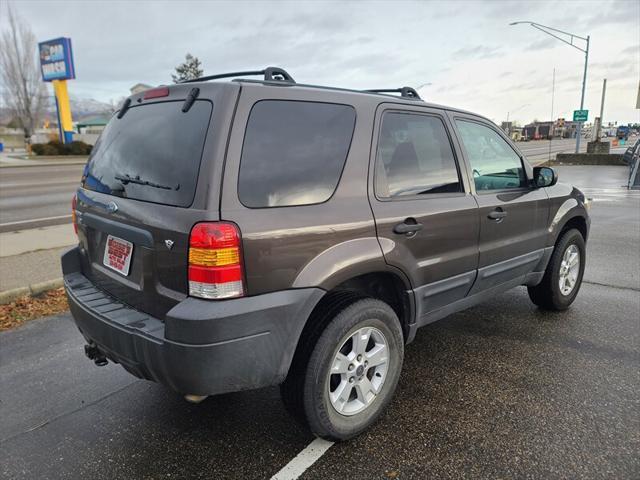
<point x="92" y="125"/>
<point x="139" y="88"/>
<point x="550" y="129"/>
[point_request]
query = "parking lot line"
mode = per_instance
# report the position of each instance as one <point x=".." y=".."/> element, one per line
<point x="302" y="461"/>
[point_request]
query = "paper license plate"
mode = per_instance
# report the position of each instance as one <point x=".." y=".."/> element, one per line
<point x="117" y="254"/>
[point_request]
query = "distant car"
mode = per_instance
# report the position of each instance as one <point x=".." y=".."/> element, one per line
<point x="623" y="132"/>
<point x="242" y="234"/>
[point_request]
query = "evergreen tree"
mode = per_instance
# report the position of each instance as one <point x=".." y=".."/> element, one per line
<point x="188" y="70"/>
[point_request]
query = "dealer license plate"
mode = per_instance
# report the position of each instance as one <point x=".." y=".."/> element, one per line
<point x="117" y="254"/>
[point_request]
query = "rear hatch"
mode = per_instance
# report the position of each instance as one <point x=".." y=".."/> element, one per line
<point x="153" y="174"/>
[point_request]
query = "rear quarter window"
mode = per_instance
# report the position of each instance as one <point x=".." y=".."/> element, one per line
<point x="293" y="152"/>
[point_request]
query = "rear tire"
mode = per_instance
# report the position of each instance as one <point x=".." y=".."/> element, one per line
<point x="351" y="372"/>
<point x="562" y="278"/>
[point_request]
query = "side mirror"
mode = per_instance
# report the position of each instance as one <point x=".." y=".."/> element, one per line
<point x="544" y="177"/>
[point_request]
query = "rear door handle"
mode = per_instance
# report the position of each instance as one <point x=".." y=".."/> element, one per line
<point x="408" y="226"/>
<point x="498" y="214"/>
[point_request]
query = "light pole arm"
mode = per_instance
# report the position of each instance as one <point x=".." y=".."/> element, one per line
<point x="548" y="30"/>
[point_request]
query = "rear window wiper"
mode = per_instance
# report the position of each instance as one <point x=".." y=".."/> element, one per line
<point x="125" y="179"/>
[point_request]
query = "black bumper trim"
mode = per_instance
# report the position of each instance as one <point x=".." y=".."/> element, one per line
<point x="242" y="344"/>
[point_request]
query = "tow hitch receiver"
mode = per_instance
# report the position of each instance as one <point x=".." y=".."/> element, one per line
<point x="92" y="353"/>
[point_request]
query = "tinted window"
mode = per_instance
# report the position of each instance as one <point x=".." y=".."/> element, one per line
<point x="495" y="164"/>
<point x="152" y="153"/>
<point x="414" y="157"/>
<point x="293" y="152"/>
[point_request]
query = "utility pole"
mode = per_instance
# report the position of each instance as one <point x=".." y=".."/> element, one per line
<point x="604" y="90"/>
<point x="553" y="123"/>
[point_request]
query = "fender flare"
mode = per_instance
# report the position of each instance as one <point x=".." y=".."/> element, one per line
<point x="344" y="261"/>
<point x="570" y="209"/>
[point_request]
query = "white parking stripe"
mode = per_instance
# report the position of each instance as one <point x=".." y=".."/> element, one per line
<point x="302" y="461"/>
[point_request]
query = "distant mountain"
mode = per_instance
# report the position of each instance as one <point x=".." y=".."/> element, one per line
<point x="88" y="106"/>
<point x="81" y="108"/>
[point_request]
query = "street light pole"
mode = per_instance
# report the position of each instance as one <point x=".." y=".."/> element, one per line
<point x="554" y="33"/>
<point x="584" y="86"/>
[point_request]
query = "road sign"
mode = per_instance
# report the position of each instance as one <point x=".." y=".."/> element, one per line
<point x="56" y="59"/>
<point x="580" y="115"/>
<point x="56" y="66"/>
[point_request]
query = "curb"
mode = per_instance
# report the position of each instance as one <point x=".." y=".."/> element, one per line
<point x="34" y="289"/>
<point x="42" y="164"/>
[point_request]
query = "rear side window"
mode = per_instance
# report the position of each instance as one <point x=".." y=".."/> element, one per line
<point x="414" y="157"/>
<point x="293" y="152"/>
<point x="152" y="153"/>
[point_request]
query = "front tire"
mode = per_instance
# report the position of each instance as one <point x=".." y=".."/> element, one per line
<point x="352" y="371"/>
<point x="563" y="276"/>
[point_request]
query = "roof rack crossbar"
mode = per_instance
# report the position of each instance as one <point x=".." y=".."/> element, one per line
<point x="406" y="92"/>
<point x="271" y="74"/>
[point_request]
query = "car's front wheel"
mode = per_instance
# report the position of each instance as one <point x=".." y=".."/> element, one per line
<point x="563" y="277"/>
<point x="352" y="371"/>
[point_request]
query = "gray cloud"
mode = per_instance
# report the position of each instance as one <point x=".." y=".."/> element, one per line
<point x="632" y="50"/>
<point x="476" y="52"/>
<point x="350" y="44"/>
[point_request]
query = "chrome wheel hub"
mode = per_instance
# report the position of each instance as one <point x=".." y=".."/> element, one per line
<point x="569" y="270"/>
<point x="358" y="371"/>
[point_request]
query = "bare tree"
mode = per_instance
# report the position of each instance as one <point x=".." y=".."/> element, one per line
<point x="112" y="106"/>
<point x="24" y="91"/>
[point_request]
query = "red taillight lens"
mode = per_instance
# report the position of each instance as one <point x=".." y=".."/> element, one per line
<point x="215" y="262"/>
<point x="156" y="93"/>
<point x="74" y="201"/>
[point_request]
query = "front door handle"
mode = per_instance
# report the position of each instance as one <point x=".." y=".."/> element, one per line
<point x="498" y="214"/>
<point x="408" y="227"/>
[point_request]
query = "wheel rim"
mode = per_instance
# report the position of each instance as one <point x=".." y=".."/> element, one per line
<point x="358" y="371"/>
<point x="569" y="270"/>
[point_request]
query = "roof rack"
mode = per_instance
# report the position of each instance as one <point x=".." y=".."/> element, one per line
<point x="406" y="92"/>
<point x="271" y="74"/>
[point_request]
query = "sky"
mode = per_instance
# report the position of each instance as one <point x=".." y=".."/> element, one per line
<point x="464" y="51"/>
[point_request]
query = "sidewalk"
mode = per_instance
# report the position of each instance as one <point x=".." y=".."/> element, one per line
<point x="31" y="258"/>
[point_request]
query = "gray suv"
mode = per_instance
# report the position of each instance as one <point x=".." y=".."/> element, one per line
<point x="247" y="233"/>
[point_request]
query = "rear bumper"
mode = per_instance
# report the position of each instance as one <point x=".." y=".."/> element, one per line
<point x="202" y="347"/>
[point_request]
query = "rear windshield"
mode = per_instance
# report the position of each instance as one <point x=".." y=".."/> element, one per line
<point x="152" y="153"/>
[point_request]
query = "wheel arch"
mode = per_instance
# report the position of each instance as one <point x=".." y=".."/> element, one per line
<point x="388" y="285"/>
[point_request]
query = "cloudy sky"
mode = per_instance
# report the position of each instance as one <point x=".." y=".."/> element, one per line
<point x="466" y="50"/>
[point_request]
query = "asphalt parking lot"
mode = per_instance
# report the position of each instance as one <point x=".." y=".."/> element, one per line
<point x="502" y="390"/>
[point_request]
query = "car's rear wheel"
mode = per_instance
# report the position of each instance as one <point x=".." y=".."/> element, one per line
<point x="563" y="277"/>
<point x="352" y="371"/>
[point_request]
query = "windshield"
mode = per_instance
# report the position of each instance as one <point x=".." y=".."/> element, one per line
<point x="152" y="153"/>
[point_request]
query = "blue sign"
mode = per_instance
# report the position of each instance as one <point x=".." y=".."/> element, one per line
<point x="56" y="59"/>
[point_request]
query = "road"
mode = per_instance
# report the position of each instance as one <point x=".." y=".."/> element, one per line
<point x="38" y="196"/>
<point x="502" y="390"/>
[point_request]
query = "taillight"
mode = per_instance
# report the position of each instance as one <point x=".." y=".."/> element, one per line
<point x="156" y="93"/>
<point x="215" y="261"/>
<point x="74" y="202"/>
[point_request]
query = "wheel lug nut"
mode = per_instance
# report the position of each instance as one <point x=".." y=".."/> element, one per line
<point x="359" y="357"/>
<point x="351" y="366"/>
<point x="351" y="380"/>
<point x="366" y="363"/>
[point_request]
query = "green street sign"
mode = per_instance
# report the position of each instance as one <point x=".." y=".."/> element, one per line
<point x="580" y="115"/>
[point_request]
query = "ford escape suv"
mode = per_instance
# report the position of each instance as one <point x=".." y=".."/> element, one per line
<point x="246" y="233"/>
